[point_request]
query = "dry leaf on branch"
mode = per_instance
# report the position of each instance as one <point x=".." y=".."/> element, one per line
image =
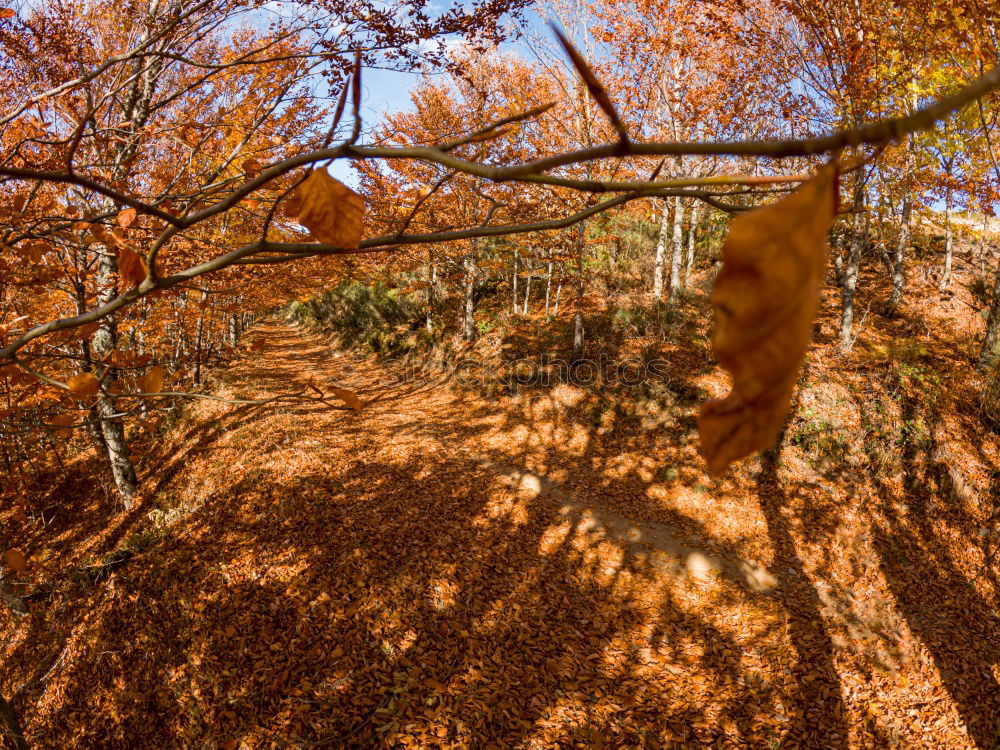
<point x="131" y="266"/>
<point x="330" y="210"/>
<point x="764" y="301"/>
<point x="153" y="382"/>
<point x="86" y="331"/>
<point x="125" y="217"/>
<point x="63" y="421"/>
<point x="84" y="384"/>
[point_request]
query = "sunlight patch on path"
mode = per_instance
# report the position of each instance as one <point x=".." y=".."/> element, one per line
<point x="636" y="536"/>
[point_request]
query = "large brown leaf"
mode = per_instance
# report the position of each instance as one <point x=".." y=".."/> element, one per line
<point x="330" y="210"/>
<point x="764" y="301"/>
<point x="83" y="384"/>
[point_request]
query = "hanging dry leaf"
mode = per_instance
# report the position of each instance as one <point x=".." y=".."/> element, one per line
<point x="764" y="301"/>
<point x="125" y="217"/>
<point x="330" y="210"/>
<point x="153" y="382"/>
<point x="63" y="421"/>
<point x="86" y="331"/>
<point x="251" y="167"/>
<point x="16" y="560"/>
<point x="131" y="266"/>
<point x="348" y="397"/>
<point x="83" y="384"/>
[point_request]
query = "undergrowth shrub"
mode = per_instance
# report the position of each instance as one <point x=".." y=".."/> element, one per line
<point x="980" y="290"/>
<point x="370" y="317"/>
<point x="637" y="319"/>
<point x="989" y="404"/>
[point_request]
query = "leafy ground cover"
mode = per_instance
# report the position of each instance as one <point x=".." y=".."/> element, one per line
<point x="443" y="569"/>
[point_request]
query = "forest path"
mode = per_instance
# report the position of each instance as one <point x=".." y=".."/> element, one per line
<point x="440" y="570"/>
<point x="425" y="415"/>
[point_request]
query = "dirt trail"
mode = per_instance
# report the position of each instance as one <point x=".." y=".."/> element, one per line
<point x="439" y="570"/>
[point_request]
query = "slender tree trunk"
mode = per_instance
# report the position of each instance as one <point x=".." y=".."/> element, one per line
<point x="431" y="281"/>
<point x="946" y="275"/>
<point x="991" y="343"/>
<point x="179" y="317"/>
<point x="12" y="725"/>
<point x="527" y="294"/>
<point x="852" y="266"/>
<point x="578" y="333"/>
<point x="982" y="243"/>
<point x="468" y="319"/>
<point x="661" y="253"/>
<point x="899" y="257"/>
<point x="198" y="345"/>
<point x="692" y="232"/>
<point x="111" y="428"/>
<point x="513" y="281"/>
<point x="677" y="248"/>
<point x="555" y="310"/>
<point x="548" y="288"/>
<point x="135" y="110"/>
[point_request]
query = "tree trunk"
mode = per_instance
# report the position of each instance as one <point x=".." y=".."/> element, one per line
<point x="692" y="231"/>
<point x="849" y="282"/>
<point x="899" y="258"/>
<point x="468" y="320"/>
<point x="548" y="288"/>
<point x="661" y="253"/>
<point x="946" y="275"/>
<point x="179" y="317"/>
<point x="135" y="110"/>
<point x="513" y="281"/>
<point x="991" y="343"/>
<point x="677" y="249"/>
<point x="11" y="725"/>
<point x="431" y="281"/>
<point x="527" y="295"/>
<point x="982" y="243"/>
<point x="112" y="429"/>
<point x="578" y="333"/>
<point x="197" y="344"/>
<point x="555" y="309"/>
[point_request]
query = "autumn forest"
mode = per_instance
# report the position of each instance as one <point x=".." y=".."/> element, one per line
<point x="501" y="374"/>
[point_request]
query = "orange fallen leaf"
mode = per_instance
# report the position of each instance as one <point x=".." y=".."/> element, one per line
<point x="330" y="210"/>
<point x="348" y="397"/>
<point x="764" y="301"/>
<point x="16" y="560"/>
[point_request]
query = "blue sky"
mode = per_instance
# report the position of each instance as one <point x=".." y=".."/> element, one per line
<point x="388" y="91"/>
